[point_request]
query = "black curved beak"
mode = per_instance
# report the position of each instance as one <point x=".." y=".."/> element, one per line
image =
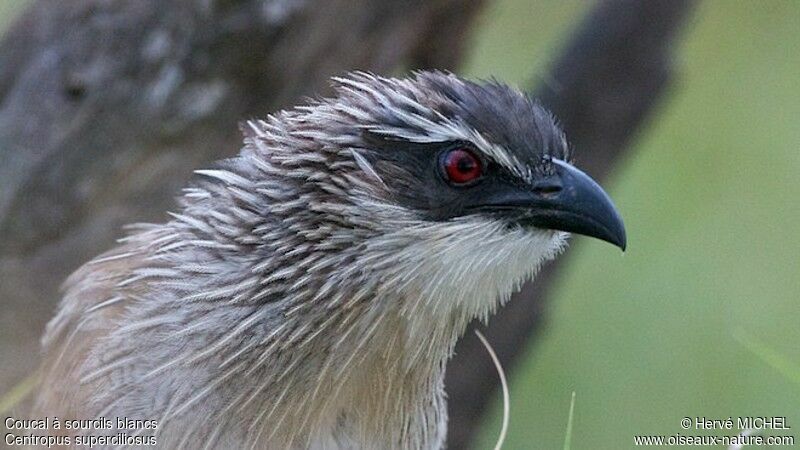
<point x="567" y="200"/>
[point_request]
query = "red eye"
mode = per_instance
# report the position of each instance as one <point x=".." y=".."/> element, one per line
<point x="461" y="166"/>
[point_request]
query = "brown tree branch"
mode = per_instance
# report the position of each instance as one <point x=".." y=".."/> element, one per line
<point x="610" y="76"/>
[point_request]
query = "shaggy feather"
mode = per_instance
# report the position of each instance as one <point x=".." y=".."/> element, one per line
<point x="292" y="301"/>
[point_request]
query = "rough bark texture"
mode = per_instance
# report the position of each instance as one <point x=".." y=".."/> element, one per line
<point x="602" y="87"/>
<point x="107" y="107"/>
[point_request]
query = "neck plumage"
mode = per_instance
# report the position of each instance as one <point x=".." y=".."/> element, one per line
<point x="334" y="332"/>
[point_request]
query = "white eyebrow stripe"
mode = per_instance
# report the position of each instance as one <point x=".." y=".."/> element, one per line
<point x="407" y="109"/>
<point x="452" y="131"/>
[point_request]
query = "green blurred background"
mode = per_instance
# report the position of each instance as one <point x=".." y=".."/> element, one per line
<point x="711" y="200"/>
<point x="700" y="317"/>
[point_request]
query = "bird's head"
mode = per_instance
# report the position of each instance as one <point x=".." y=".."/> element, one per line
<point x="451" y="149"/>
<point x="449" y="191"/>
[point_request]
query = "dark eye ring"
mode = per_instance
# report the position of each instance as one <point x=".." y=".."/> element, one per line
<point x="460" y="166"/>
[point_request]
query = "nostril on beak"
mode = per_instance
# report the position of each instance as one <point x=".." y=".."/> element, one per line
<point x="546" y="187"/>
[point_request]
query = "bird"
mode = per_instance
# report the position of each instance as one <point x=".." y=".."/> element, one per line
<point x="308" y="292"/>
